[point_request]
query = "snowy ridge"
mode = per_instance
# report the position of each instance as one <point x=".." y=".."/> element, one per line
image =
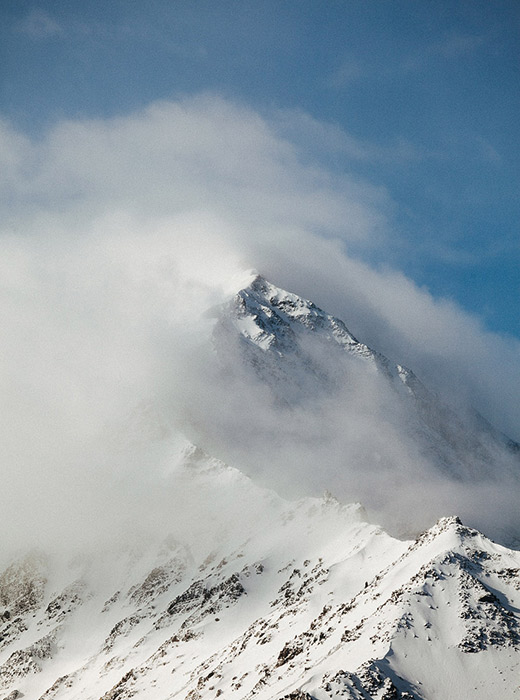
<point x="313" y="600"/>
<point x="270" y="318"/>
<point x="321" y="603"/>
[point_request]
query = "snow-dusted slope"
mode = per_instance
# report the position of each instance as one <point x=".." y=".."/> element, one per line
<point x="306" y="597"/>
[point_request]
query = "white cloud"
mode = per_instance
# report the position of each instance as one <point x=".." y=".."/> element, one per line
<point x="117" y="233"/>
<point x="202" y="154"/>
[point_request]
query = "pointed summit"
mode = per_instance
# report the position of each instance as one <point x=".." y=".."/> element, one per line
<point x="277" y="312"/>
<point x="305" y="355"/>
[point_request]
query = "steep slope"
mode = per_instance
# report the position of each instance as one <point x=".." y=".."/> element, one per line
<point x="304" y="597"/>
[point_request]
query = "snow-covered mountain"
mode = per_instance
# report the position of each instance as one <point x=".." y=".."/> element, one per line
<point x="306" y="600"/>
<point x="252" y="595"/>
<point x="348" y="419"/>
<point x="301" y="351"/>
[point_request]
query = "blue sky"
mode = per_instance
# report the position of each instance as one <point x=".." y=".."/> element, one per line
<point x="420" y="99"/>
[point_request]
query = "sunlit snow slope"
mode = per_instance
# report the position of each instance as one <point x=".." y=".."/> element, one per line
<point x="305" y="597"/>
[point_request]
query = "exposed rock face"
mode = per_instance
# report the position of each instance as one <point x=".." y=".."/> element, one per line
<point x="22" y="586"/>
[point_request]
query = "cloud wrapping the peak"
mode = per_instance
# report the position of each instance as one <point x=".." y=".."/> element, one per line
<point x="117" y="234"/>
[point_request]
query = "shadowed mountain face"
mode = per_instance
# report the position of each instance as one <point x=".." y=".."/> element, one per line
<point x="245" y="594"/>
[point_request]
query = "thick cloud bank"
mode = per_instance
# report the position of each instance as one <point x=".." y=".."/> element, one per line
<point x="116" y="235"/>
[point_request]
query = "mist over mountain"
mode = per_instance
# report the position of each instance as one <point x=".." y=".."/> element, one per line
<point x="255" y="375"/>
<point x="284" y="390"/>
<point x="184" y="444"/>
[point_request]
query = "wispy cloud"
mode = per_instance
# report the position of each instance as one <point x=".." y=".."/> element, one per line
<point x="326" y="138"/>
<point x="488" y="151"/>
<point x="347" y="72"/>
<point x="456" y="44"/>
<point x="39" y="24"/>
<point x="451" y="47"/>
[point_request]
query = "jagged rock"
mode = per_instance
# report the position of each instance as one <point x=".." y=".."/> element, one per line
<point x="22" y="586"/>
<point x="29" y="660"/>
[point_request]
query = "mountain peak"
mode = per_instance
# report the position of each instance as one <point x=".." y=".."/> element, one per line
<point x="306" y="357"/>
<point x="266" y="315"/>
